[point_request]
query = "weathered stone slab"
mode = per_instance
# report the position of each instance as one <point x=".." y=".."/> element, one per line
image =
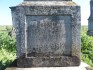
<point x="51" y="35"/>
<point x="48" y="33"/>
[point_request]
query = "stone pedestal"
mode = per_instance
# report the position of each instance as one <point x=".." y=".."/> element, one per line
<point x="48" y="33"/>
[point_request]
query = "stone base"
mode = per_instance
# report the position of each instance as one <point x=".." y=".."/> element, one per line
<point x="90" y="33"/>
<point x="83" y="66"/>
<point x="63" y="61"/>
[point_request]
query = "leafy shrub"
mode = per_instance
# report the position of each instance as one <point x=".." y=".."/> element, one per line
<point x="7" y="49"/>
<point x="86" y="47"/>
<point x="7" y="42"/>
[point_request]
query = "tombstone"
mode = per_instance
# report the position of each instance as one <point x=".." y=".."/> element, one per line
<point x="47" y="33"/>
<point x="90" y="20"/>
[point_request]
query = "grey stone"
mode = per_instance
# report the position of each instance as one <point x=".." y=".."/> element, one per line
<point x="50" y="35"/>
<point x="47" y="33"/>
<point x="90" y="20"/>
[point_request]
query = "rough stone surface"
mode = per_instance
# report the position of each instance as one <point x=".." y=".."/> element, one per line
<point x="90" y="20"/>
<point x="48" y="35"/>
<point x="51" y="35"/>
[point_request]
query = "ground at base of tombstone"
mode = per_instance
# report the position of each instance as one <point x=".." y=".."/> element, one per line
<point x="90" y="33"/>
<point x="83" y="66"/>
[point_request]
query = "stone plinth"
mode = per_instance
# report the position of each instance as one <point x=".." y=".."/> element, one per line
<point x="48" y="33"/>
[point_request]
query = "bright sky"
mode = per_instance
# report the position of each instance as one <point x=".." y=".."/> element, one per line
<point x="5" y="12"/>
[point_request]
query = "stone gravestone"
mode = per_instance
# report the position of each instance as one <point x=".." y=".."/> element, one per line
<point x="90" y="20"/>
<point x="47" y="33"/>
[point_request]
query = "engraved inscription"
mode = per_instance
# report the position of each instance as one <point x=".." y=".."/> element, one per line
<point x="48" y="36"/>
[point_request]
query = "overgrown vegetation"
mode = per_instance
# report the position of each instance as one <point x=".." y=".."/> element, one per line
<point x="7" y="48"/>
<point x="86" y="46"/>
<point x="8" y="44"/>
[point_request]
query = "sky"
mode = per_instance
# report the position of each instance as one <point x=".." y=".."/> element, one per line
<point x="5" y="12"/>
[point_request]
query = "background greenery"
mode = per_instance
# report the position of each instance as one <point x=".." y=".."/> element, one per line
<point x="7" y="47"/>
<point x="86" y="46"/>
<point x="8" y="44"/>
